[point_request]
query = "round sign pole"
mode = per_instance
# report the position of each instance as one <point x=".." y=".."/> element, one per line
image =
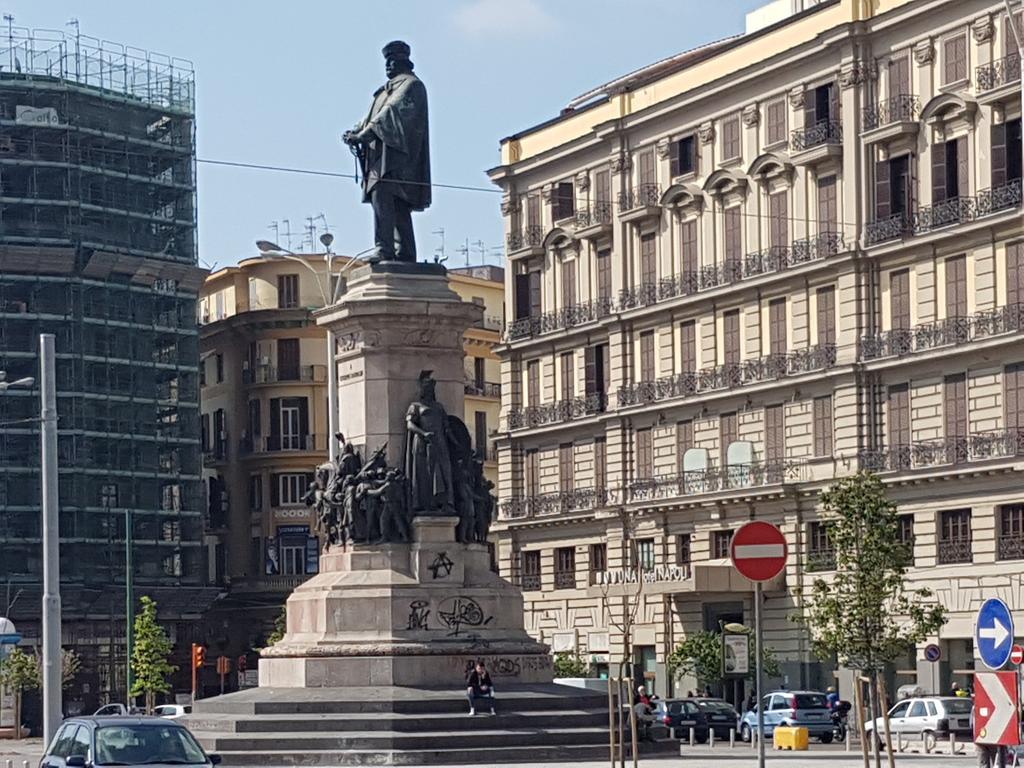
<point x="759" y="552"/>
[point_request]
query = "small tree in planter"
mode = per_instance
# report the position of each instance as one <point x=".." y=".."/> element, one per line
<point x="150" y="658"/>
<point x="571" y="665"/>
<point x="19" y="672"/>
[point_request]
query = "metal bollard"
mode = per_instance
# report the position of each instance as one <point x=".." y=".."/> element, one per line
<point x="952" y="744"/>
<point x="732" y="738"/>
<point x="899" y="741"/>
<point x="693" y="736"/>
<point x="711" y="737"/>
<point x="849" y="739"/>
<point x="9" y="763"/>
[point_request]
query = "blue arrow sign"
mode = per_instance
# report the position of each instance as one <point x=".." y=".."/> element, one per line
<point x="993" y="633"/>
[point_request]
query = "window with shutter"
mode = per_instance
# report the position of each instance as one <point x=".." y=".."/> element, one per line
<point x="688" y="247"/>
<point x="899" y="299"/>
<point x="565" y="568"/>
<point x="684" y="156"/>
<point x="531" y="573"/>
<point x="998" y="153"/>
<point x="684" y="442"/>
<point x="646" y="174"/>
<point x="567" y="374"/>
<point x="598" y="561"/>
<point x="721" y="543"/>
<point x="648" y="259"/>
<point x="883" y="190"/>
<point x="731" y="137"/>
<point x="1014" y="164"/>
<point x="900" y="186"/>
<point x="955" y="537"/>
<point x="899" y="422"/>
<point x="826" y="301"/>
<point x="775" y="121"/>
<point x="644" y="454"/>
<point x="647" y="356"/>
<point x="774" y="434"/>
<point x="602" y="187"/>
<point x="480" y="439"/>
<point x="604" y="274"/>
<point x="600" y="462"/>
<point x="1015" y="273"/>
<point x="533" y="211"/>
<point x="531" y="472"/>
<point x="683" y="553"/>
<point x="288" y="359"/>
<point x="563" y="200"/>
<point x="899" y="75"/>
<point x="522" y="296"/>
<point x="823" y="426"/>
<point x="533" y="383"/>
<point x="535" y="294"/>
<point x="827" y="216"/>
<point x="731" y="337"/>
<point x="568" y="283"/>
<point x="733" y="235"/>
<point x="594" y="362"/>
<point x="688" y="346"/>
<point x="566" y="479"/>
<point x="778" y="218"/>
<point x="956" y="286"/>
<point x="777" y="340"/>
<point x="954" y="63"/>
<point x="726" y="434"/>
<point x="955" y="407"/>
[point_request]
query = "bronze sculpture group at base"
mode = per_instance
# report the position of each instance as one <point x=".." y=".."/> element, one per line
<point x="372" y="503"/>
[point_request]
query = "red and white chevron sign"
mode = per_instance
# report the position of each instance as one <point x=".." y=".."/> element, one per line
<point x="996" y="708"/>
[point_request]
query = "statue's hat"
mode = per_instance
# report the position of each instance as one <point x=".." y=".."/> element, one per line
<point x="397" y="49"/>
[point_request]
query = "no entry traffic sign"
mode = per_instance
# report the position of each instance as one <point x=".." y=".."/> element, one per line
<point x="996" y="712"/>
<point x="759" y="551"/>
<point x="1017" y="655"/>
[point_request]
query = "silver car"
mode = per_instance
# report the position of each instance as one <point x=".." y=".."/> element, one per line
<point x="124" y="742"/>
<point x="929" y="718"/>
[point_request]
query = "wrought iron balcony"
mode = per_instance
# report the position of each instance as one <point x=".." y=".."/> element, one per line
<point x="597" y="214"/>
<point x="941" y="333"/>
<point x="565" y="579"/>
<point x="980" y="446"/>
<point x="556" y="412"/>
<point x="490" y="322"/>
<point x="953" y="551"/>
<point x="1010" y="547"/>
<point x="275" y="443"/>
<point x="268" y="374"/>
<point x="822" y="132"/>
<point x="956" y="210"/>
<point x="903" y="108"/>
<point x="821" y="560"/>
<point x="483" y="389"/>
<point x="531" y="236"/>
<point x="556" y="320"/>
<point x="529" y="582"/>
<point x="559" y="502"/>
<point x="999" y="72"/>
<point x="728" y="376"/>
<point x="641" y="196"/>
<point x="724" y="273"/>
<point x="712" y="480"/>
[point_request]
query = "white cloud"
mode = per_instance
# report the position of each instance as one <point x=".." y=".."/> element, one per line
<point x="502" y="18"/>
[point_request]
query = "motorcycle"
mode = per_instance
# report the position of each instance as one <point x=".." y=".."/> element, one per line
<point x="840" y="720"/>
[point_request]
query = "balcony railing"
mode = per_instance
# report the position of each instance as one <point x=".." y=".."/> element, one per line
<point x="559" y="502"/>
<point x="490" y="323"/>
<point x="822" y="132"/>
<point x="728" y="376"/>
<point x="980" y="446"/>
<point x="999" y="72"/>
<point x="713" y="480"/>
<point x="565" y="580"/>
<point x="640" y="196"/>
<point x="532" y="235"/>
<point x="276" y="443"/>
<point x="568" y="317"/>
<point x="956" y="210"/>
<point x="941" y="333"/>
<point x="954" y="551"/>
<point x="483" y="389"/>
<point x="529" y="582"/>
<point x="268" y="374"/>
<point x="903" y="108"/>
<point x="821" y="560"/>
<point x="599" y="213"/>
<point x="556" y="412"/>
<point x="1010" y="547"/>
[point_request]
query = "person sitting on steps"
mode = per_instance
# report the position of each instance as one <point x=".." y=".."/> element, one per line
<point x="479" y="686"/>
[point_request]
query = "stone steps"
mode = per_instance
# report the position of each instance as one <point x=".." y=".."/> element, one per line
<point x="454" y="755"/>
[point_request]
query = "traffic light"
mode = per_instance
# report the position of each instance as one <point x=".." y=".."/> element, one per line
<point x="198" y="655"/>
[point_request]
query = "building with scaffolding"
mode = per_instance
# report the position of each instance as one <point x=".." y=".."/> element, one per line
<point x="98" y="246"/>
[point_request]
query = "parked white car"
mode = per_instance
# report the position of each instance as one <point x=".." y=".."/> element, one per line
<point x="929" y="718"/>
<point x="172" y="711"/>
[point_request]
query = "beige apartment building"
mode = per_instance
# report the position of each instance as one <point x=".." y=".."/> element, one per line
<point x="264" y="417"/>
<point x="741" y="273"/>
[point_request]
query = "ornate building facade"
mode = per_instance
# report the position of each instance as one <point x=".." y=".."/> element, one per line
<point x="741" y="273"/>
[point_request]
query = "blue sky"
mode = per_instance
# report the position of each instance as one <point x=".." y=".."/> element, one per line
<point x="278" y="82"/>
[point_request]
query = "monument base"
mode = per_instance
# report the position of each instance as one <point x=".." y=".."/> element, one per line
<point x="415" y="614"/>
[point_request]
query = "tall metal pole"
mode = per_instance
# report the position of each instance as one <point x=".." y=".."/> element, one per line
<point x="129" y="603"/>
<point x="757" y="674"/>
<point x="332" y="398"/>
<point x="52" y="709"/>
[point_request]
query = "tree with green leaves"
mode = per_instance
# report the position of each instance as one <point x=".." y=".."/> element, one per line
<point x="700" y="655"/>
<point x="19" y="672"/>
<point x="280" y="627"/>
<point x="150" y="661"/>
<point x="571" y="665"/>
<point x="864" y="615"/>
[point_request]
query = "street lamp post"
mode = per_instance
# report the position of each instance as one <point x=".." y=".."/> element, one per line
<point x="329" y="295"/>
<point x="52" y="709"/>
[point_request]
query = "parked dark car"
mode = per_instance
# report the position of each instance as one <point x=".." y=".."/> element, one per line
<point x="124" y="741"/>
<point x="701" y="714"/>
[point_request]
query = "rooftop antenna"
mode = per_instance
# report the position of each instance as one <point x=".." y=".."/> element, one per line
<point x="277" y="230"/>
<point x="480" y="248"/>
<point x="287" y="232"/>
<point x="464" y="250"/>
<point x="9" y="18"/>
<point x="439" y="254"/>
<point x="310" y="234"/>
<point x="497" y="251"/>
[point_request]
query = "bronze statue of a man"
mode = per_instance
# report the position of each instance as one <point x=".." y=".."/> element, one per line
<point x="392" y="145"/>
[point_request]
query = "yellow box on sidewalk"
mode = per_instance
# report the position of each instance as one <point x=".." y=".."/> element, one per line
<point x="790" y="738"/>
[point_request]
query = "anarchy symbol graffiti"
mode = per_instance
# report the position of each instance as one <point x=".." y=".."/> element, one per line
<point x="441" y="563"/>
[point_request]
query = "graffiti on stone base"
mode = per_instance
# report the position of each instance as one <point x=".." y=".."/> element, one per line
<point x="442" y="566"/>
<point x="459" y="612"/>
<point x="419" y="614"/>
<point x="512" y="666"/>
